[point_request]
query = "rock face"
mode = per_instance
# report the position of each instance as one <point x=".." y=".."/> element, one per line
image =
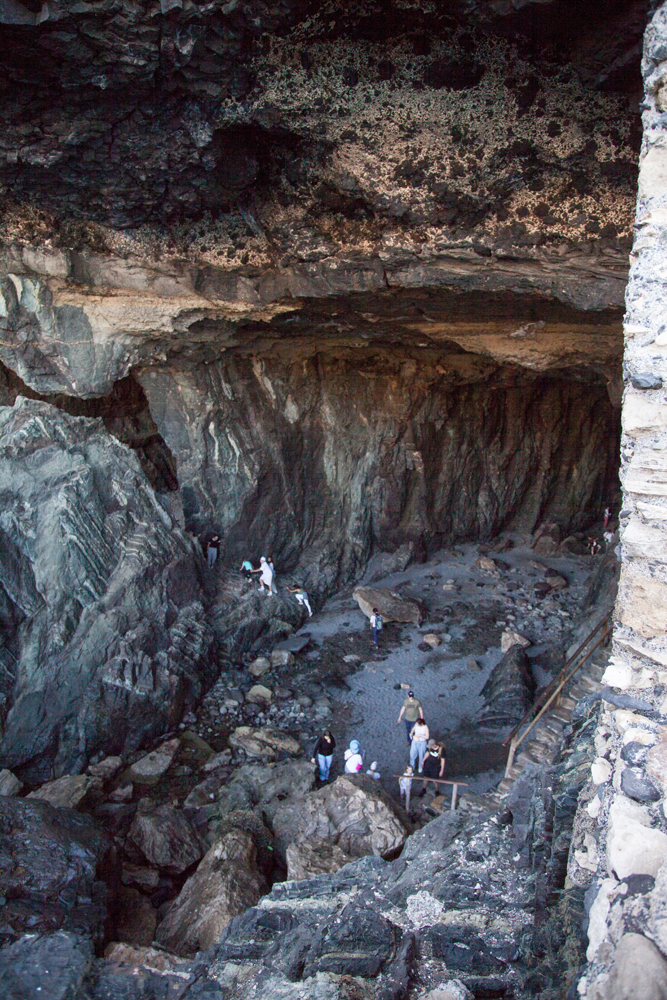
<point x="509" y="690"/>
<point x="50" y="871"/>
<point x="306" y="858"/>
<point x="226" y="883"/>
<point x="53" y="966"/>
<point x="164" y="836"/>
<point x="392" y="607"/>
<point x="99" y="592"/>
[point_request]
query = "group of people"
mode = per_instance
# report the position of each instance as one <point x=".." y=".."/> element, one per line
<point x="427" y="756"/>
<point x="266" y="571"/>
<point x="425" y="753"/>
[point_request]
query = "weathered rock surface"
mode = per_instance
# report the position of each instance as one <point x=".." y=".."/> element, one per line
<point x="51" y="863"/>
<point x="9" y="783"/>
<point x="116" y="643"/>
<point x="49" y="966"/>
<point x="165" y="837"/>
<point x="267" y="743"/>
<point x="226" y="883"/>
<point x="509" y="690"/>
<point x="306" y="858"/>
<point x="352" y="813"/>
<point x="150" y="769"/>
<point x="392" y="607"/>
<point x="63" y="793"/>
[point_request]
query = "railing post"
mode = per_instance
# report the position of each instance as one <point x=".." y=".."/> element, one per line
<point x="510" y="757"/>
<point x="407" y="798"/>
<point x="454" y="791"/>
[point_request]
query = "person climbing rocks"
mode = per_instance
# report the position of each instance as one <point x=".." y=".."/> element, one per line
<point x="376" y="625"/>
<point x="593" y="545"/>
<point x="301" y="598"/>
<point x="212" y="551"/>
<point x="373" y="772"/>
<point x="354" y="758"/>
<point x="607" y="515"/>
<point x="246" y="568"/>
<point x="323" y="754"/>
<point x="412" y="710"/>
<point x="419" y="735"/>
<point x="405" y="782"/>
<point x="608" y="538"/>
<point x="433" y="766"/>
<point x="265" y="575"/>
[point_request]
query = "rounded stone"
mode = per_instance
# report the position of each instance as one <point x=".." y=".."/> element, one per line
<point x="634" y="785"/>
<point x="601" y="771"/>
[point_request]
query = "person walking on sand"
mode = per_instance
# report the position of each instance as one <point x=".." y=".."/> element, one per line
<point x="419" y="742"/>
<point x="412" y="710"/>
<point x="212" y="551"/>
<point x="433" y="766"/>
<point x="265" y="575"/>
<point x="376" y="625"/>
<point x="301" y="598"/>
<point x="323" y="753"/>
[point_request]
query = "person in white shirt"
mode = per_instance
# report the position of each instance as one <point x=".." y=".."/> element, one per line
<point x="265" y="575"/>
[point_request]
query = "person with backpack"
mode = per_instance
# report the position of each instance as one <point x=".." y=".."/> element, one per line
<point x="376" y="625"/>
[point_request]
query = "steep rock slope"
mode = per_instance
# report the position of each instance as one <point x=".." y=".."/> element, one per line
<point x="104" y="638"/>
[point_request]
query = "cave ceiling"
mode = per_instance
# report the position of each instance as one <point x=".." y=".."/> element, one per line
<point x="180" y="179"/>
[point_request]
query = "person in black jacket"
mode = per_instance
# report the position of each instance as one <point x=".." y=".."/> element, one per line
<point x="323" y="752"/>
<point x="433" y="766"/>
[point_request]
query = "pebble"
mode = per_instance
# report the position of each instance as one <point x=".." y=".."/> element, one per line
<point x="637" y="787"/>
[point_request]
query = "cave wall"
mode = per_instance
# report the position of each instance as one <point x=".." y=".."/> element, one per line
<point x="324" y="460"/>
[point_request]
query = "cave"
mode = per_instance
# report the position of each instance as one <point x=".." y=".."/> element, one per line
<point x="373" y="293"/>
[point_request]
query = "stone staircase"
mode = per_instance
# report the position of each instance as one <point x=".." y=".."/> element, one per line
<point x="540" y="746"/>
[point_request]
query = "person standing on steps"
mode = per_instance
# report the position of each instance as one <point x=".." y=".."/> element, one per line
<point x="301" y="598"/>
<point x="412" y="710"/>
<point x="419" y="742"/>
<point x="265" y="575"/>
<point x="323" y="753"/>
<point x="433" y="766"/>
<point x="405" y="784"/>
<point x="376" y="625"/>
<point x="212" y="551"/>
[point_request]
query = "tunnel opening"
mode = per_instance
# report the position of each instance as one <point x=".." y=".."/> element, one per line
<point x="126" y="416"/>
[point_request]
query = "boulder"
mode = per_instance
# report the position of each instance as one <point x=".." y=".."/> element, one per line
<point x="9" y="783"/>
<point x="226" y="883"/>
<point x="106" y="769"/>
<point x="123" y="793"/>
<point x="49" y="967"/>
<point x="453" y="989"/>
<point x="509" y="691"/>
<point x="268" y="788"/>
<point x="352" y="813"/>
<point x="136" y="919"/>
<point x="391" y="606"/>
<point x="432" y="640"/>
<point x="149" y="770"/>
<point x="110" y="585"/>
<point x="259" y="695"/>
<point x="266" y="743"/>
<point x="64" y="793"/>
<point x="555" y="580"/>
<point x="639" y="971"/>
<point x="165" y="837"/>
<point x="50" y="860"/>
<point x="306" y="858"/>
<point x="218" y="760"/>
<point x="281" y="657"/>
<point x="295" y="643"/>
<point x="259" y="666"/>
<point x="486" y="564"/>
<point x="547" y="538"/>
<point x="511" y="638"/>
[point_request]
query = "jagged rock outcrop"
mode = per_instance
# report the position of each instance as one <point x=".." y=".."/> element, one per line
<point x="509" y="690"/>
<point x="52" y="866"/>
<point x="105" y="642"/>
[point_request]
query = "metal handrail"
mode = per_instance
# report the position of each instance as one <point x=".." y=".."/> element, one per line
<point x="437" y="781"/>
<point x="554" y="690"/>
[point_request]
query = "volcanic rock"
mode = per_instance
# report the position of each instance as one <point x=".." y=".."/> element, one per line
<point x="352" y="813"/>
<point x="51" y="966"/>
<point x="111" y="587"/>
<point x="51" y="862"/>
<point x="165" y="838"/>
<point x="150" y="769"/>
<point x="509" y="690"/>
<point x="268" y="743"/>
<point x="225" y="884"/>
<point x="64" y="793"/>
<point x="9" y="783"/>
<point x="306" y="858"/>
<point x="392" y="607"/>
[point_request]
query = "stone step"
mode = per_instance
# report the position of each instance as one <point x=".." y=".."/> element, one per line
<point x="554" y="725"/>
<point x="563" y="715"/>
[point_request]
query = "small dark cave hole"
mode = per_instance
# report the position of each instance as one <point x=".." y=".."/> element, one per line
<point x="126" y="416"/>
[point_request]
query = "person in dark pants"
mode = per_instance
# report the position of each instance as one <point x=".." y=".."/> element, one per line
<point x="412" y="710"/>
<point x="212" y="551"/>
<point x="376" y="625"/>
<point x="323" y="753"/>
<point x="433" y="766"/>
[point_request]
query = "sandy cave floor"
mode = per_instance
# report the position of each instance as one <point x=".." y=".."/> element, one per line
<point x="444" y="679"/>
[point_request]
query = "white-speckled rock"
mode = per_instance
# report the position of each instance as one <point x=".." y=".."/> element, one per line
<point x="597" y="917"/>
<point x="633" y="848"/>
<point x="601" y="771"/>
